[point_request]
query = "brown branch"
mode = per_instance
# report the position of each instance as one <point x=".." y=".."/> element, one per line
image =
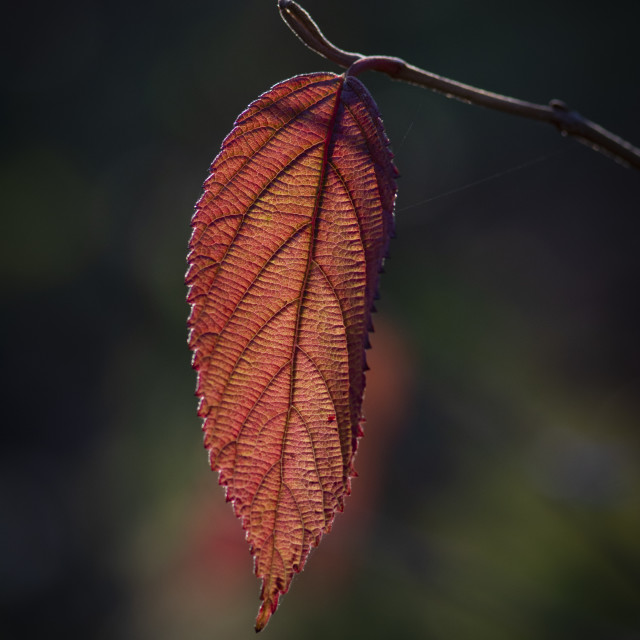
<point x="557" y="113"/>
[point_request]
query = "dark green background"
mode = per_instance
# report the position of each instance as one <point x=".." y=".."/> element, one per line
<point x="503" y="498"/>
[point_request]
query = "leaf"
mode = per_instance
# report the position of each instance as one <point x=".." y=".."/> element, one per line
<point x="288" y="239"/>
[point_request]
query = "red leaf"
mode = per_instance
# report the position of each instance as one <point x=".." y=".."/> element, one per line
<point x="287" y="243"/>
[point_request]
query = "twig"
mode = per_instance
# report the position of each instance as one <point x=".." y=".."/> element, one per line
<point x="557" y="113"/>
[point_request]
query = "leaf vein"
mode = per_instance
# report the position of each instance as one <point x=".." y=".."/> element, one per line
<point x="242" y="120"/>
<point x="284" y="127"/>
<point x="249" y="343"/>
<point x="295" y="502"/>
<point x="255" y="279"/>
<point x="246" y="213"/>
<point x="315" y="465"/>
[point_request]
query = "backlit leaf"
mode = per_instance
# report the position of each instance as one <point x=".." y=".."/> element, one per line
<point x="287" y="243"/>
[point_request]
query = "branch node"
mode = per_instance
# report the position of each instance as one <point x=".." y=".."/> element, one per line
<point x="558" y="105"/>
<point x="385" y="64"/>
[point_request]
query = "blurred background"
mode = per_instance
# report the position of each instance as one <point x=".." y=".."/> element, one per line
<point x="499" y="489"/>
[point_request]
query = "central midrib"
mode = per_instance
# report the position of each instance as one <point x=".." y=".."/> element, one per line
<point x="303" y="286"/>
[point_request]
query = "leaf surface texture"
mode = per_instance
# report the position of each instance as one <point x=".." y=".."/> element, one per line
<point x="288" y="239"/>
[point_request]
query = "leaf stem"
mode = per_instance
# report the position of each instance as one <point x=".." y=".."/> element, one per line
<point x="566" y="120"/>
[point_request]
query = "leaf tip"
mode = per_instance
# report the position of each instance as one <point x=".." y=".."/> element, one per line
<point x="263" y="615"/>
